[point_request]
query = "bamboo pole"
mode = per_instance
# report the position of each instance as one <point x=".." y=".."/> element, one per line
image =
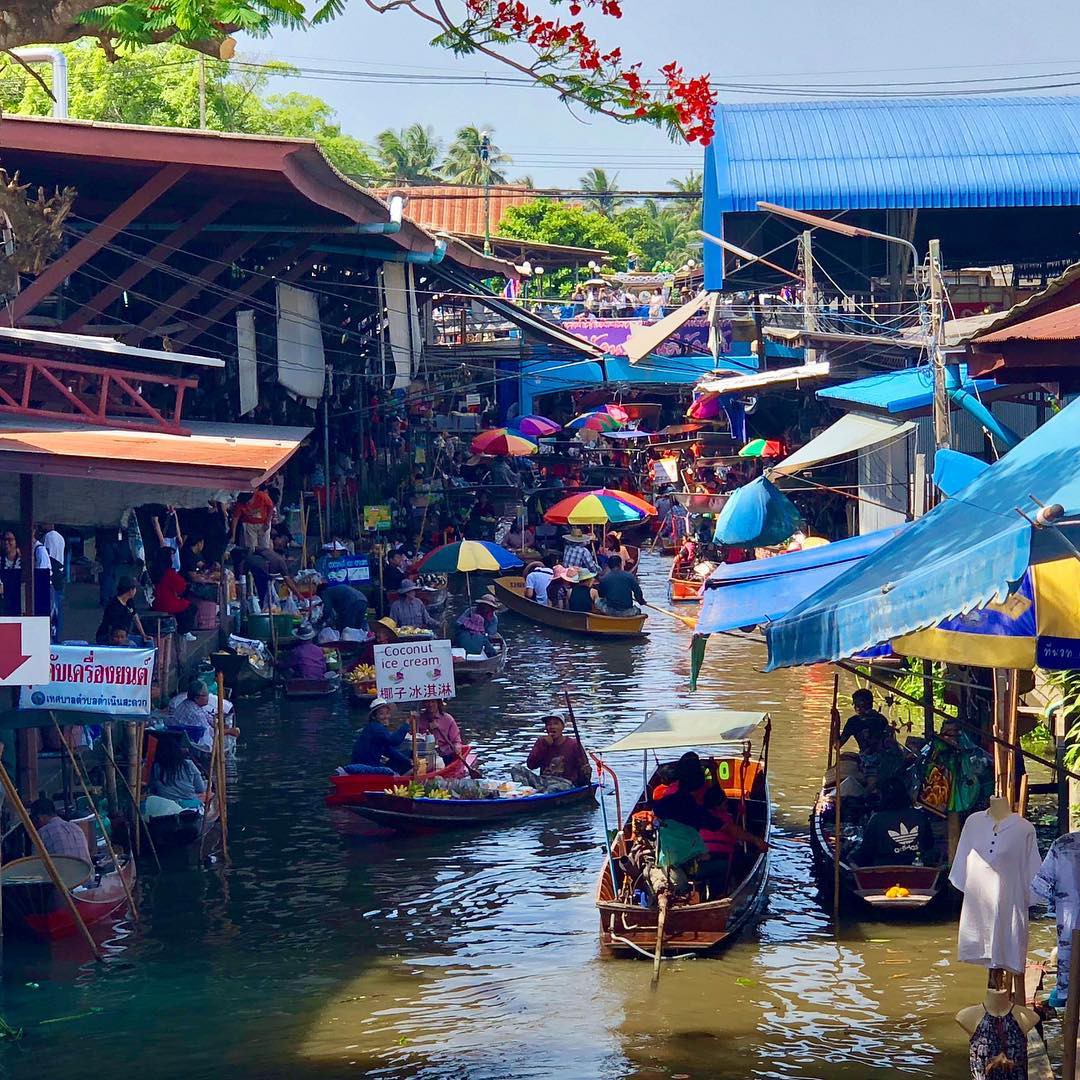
<point x="35" y="839"/>
<point x="211" y="795"/>
<point x="415" y="752"/>
<point x="662" y="901"/>
<point x="136" y="797"/>
<point x="1072" y="1012"/>
<point x="110" y="769"/>
<point x="222" y="779"/>
<point x="135" y="801"/>
<point x="834" y="723"/>
<point x="78" y="770"/>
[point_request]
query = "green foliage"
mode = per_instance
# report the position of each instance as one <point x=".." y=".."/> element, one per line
<point x="552" y="222"/>
<point x="159" y="86"/>
<point x="410" y="155"/>
<point x="463" y="163"/>
<point x="1066" y="685"/>
<point x="602" y="191"/>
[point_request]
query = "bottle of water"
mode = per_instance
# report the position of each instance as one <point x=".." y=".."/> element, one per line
<point x="429" y="752"/>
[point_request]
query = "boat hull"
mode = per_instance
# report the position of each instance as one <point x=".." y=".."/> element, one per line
<point x="403" y="813"/>
<point x="474" y="671"/>
<point x="511" y="591"/>
<point x="312" y="688"/>
<point x="36" y="911"/>
<point x="350" y="790"/>
<point x="684" y="590"/>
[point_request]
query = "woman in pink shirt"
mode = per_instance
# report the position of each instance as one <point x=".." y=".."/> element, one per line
<point x="435" y="718"/>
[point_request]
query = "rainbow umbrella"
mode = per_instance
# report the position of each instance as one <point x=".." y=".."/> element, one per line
<point x="762" y="448"/>
<point x="502" y="442"/>
<point x="601" y="507"/>
<point x="605" y="418"/>
<point x="706" y="407"/>
<point x="535" y="427"/>
<point x="467" y="556"/>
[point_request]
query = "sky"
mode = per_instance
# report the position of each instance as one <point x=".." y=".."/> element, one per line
<point x="789" y="49"/>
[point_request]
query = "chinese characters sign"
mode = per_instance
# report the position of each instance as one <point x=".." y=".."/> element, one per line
<point x="414" y="670"/>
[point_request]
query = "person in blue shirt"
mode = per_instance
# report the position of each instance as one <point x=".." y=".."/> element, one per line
<point x="376" y="744"/>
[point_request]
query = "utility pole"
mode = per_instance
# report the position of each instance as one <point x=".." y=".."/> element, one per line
<point x="942" y="427"/>
<point x="809" y="301"/>
<point x="202" y="93"/>
<point x="485" y="164"/>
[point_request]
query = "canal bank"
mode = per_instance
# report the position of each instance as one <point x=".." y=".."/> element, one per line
<point x="318" y="955"/>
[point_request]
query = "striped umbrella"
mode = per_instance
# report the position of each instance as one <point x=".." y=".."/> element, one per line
<point x="602" y="507"/>
<point x="606" y="418"/>
<point x="503" y="442"/>
<point x="466" y="556"/>
<point x="535" y="427"/>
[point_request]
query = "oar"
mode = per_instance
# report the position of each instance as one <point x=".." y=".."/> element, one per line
<point x="474" y="773"/>
<point x="686" y="620"/>
<point x="662" y="903"/>
<point x="573" y="721"/>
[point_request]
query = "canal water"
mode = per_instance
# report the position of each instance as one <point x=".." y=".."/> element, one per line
<point x="327" y="952"/>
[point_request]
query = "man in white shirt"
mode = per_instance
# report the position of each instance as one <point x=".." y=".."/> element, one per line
<point x="54" y="546"/>
<point x="536" y="584"/>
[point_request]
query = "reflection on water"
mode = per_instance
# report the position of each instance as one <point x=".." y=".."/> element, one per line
<point x="319" y="954"/>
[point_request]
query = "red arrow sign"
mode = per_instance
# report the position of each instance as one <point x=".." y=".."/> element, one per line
<point x="11" y="653"/>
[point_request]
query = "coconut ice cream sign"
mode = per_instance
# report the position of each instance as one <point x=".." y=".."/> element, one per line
<point x="414" y="670"/>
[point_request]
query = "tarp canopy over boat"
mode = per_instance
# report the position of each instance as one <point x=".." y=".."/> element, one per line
<point x="667" y="729"/>
<point x="32" y="871"/>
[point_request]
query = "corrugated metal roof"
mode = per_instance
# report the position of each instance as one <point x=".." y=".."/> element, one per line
<point x="1063" y="325"/>
<point x="458" y="209"/>
<point x="890" y="153"/>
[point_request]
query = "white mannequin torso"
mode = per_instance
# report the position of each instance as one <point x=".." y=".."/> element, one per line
<point x="996" y="1003"/>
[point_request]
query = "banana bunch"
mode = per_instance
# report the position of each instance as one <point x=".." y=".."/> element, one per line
<point x="414" y="631"/>
<point x="362" y="673"/>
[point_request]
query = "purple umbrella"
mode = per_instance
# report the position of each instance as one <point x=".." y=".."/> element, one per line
<point x="535" y="427"/>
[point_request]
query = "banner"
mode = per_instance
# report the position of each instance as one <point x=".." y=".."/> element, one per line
<point x="345" y="569"/>
<point x="94" y="678"/>
<point x="300" y="356"/>
<point x="247" y="361"/>
<point x="377" y="519"/>
<point x="414" y="670"/>
<point x="691" y="339"/>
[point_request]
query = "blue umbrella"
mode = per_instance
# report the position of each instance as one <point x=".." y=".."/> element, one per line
<point x="467" y="556"/>
<point x="757" y="515"/>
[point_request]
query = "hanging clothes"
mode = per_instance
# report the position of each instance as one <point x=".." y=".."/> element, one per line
<point x="998" y="1049"/>
<point x="994" y="867"/>
<point x="1058" y="883"/>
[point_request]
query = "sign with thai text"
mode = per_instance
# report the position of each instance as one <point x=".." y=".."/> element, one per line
<point x="345" y="569"/>
<point x="414" y="671"/>
<point x="94" y="678"/>
<point x="24" y="650"/>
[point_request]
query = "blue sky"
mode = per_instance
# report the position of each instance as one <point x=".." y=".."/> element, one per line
<point x="777" y="44"/>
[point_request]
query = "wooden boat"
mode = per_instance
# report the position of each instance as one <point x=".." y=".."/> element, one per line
<point x="349" y="790"/>
<point x="915" y="886"/>
<point x="467" y="670"/>
<point x="630" y="896"/>
<point x="242" y="676"/>
<point x="33" y="908"/>
<point x="313" y="688"/>
<point x="180" y="830"/>
<point x="682" y="588"/>
<point x="401" y="812"/>
<point x="511" y="591"/>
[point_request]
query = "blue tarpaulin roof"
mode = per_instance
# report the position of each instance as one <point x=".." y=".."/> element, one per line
<point x="756" y="515"/>
<point x="749" y="593"/>
<point x="966" y="552"/>
<point x="909" y="390"/>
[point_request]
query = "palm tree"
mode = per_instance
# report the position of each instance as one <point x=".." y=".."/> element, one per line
<point x="463" y="163"/>
<point x="410" y="155"/>
<point x="690" y="184"/>
<point x="601" y="190"/>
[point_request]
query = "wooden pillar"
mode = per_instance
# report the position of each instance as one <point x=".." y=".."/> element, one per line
<point x="928" y="698"/>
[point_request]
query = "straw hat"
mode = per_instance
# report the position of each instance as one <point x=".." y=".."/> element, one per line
<point x="575" y="536"/>
<point x="304" y="632"/>
<point x="489" y="600"/>
<point x="388" y="623"/>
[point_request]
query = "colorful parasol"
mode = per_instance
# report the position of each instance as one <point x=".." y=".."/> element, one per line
<point x="467" y="556"/>
<point x="606" y="418"/>
<point x="601" y="507"/>
<point x="503" y="442"/>
<point x="535" y="427"/>
<point x="706" y="407"/>
<point x="763" y="448"/>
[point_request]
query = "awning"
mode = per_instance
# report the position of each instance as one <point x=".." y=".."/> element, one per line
<point x="909" y="390"/>
<point x="674" y="728"/>
<point x="750" y="593"/>
<point x="737" y="384"/>
<point x="969" y="550"/>
<point x="89" y="476"/>
<point x="848" y="435"/>
<point x="93" y="343"/>
<point x="954" y="470"/>
<point x="649" y="338"/>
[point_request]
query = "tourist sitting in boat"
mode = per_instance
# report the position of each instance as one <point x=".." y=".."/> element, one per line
<point x="897" y="834"/>
<point x="409" y="610"/>
<point x="376" y="750"/>
<point x="343" y="605"/>
<point x="558" y="590"/>
<point x="721" y="836"/>
<point x="680" y="797"/>
<point x="866" y="721"/>
<point x="478" y="628"/>
<point x="583" y="594"/>
<point x="555" y="757"/>
<point x="517" y="539"/>
<point x="175" y="776"/>
<point x="195" y="711"/>
<point x="538" y="580"/>
<point x="435" y="719"/>
<point x="59" y="837"/>
<point x="306" y="660"/>
<point x="685" y="557"/>
<point x="613" y="545"/>
<point x="577" y="552"/>
<point x="617" y="591"/>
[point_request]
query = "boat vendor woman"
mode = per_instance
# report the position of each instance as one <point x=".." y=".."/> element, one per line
<point x="478" y="627"/>
<point x="435" y="718"/>
<point x="409" y="610"/>
<point x="377" y="748"/>
<point x="306" y="660"/>
<point x="174" y="775"/>
<point x="554" y="755"/>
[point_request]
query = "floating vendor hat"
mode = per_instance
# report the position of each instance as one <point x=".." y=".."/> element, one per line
<point x="407" y="586"/>
<point x="575" y="536"/>
<point x="490" y="600"/>
<point x="388" y="623"/>
<point x="304" y="632"/>
<point x="378" y="703"/>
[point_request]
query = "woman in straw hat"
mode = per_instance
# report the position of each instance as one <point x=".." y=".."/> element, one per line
<point x="478" y="627"/>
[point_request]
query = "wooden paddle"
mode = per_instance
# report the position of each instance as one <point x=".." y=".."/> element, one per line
<point x="686" y="620"/>
<point x="662" y="902"/>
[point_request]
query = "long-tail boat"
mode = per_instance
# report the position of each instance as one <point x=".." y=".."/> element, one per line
<point x="352" y="789"/>
<point x="511" y="591"/>
<point x="471" y="669"/>
<point x="653" y="912"/>
<point x="682" y="588"/>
